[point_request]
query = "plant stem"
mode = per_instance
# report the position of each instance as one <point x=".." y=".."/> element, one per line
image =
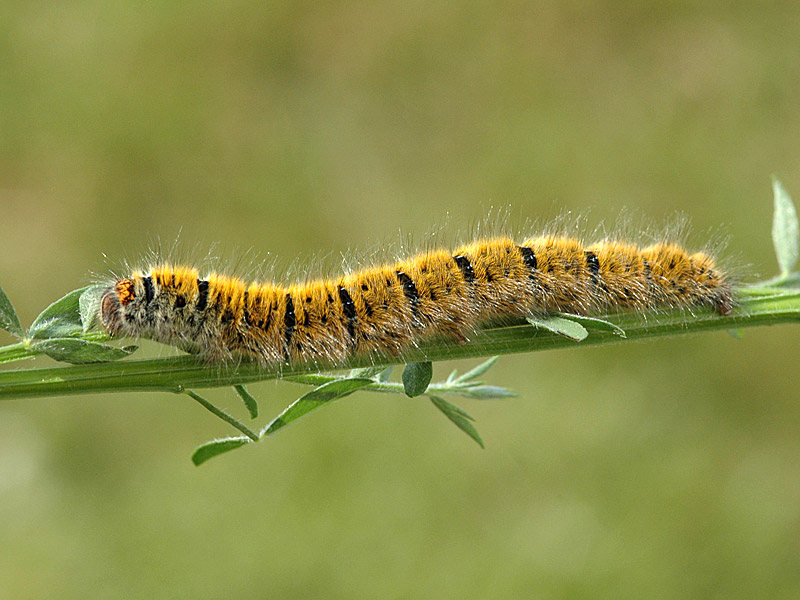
<point x="14" y="352"/>
<point x="222" y="415"/>
<point x="760" y="306"/>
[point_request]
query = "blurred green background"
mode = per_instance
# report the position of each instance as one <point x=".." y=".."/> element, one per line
<point x="666" y="469"/>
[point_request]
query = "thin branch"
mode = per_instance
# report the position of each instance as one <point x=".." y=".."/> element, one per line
<point x="222" y="415"/>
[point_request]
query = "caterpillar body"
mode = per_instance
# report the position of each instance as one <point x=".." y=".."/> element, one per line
<point x="388" y="308"/>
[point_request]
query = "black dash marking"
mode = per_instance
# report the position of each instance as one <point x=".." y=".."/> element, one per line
<point x="466" y="267"/>
<point x="368" y="308"/>
<point x="149" y="292"/>
<point x="245" y="310"/>
<point x="288" y="320"/>
<point x="266" y="323"/>
<point x="349" y="308"/>
<point x="529" y="258"/>
<point x="409" y="289"/>
<point x="180" y="301"/>
<point x="646" y="268"/>
<point x="594" y="265"/>
<point x="202" y="295"/>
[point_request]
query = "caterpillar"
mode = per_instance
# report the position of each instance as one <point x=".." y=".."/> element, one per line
<point x="390" y="307"/>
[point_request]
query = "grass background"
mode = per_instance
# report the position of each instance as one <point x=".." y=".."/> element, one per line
<point x="662" y="469"/>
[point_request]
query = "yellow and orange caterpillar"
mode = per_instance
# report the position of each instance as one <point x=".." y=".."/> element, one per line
<point x="391" y="307"/>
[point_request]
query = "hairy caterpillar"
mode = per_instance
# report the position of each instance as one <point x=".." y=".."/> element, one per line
<point x="389" y="307"/>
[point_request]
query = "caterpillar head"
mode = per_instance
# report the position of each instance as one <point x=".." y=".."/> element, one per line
<point x="113" y="303"/>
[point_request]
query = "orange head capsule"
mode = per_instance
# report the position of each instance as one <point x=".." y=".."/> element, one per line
<point x="113" y="300"/>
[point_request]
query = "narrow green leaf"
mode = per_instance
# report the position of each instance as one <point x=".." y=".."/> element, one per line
<point x="595" y="323"/>
<point x="458" y="416"/>
<point x="79" y="352"/>
<point x="250" y="403"/>
<point x="477" y="371"/>
<point x="416" y="377"/>
<point x="452" y="377"/>
<point x="8" y="316"/>
<point x="384" y="375"/>
<point x="566" y="327"/>
<point x="785" y="230"/>
<point x="89" y="306"/>
<point x="314" y="379"/>
<point x="61" y="319"/>
<point x="454" y="408"/>
<point x="316" y="398"/>
<point x="217" y="447"/>
<point x="366" y="372"/>
<point x="485" y="392"/>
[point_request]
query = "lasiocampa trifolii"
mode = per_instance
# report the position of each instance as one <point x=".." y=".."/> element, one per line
<point x="388" y="308"/>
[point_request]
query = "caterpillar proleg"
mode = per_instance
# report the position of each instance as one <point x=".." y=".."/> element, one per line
<point x="390" y="307"/>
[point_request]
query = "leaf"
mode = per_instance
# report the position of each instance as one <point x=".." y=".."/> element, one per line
<point x="596" y="323"/>
<point x="785" y="230"/>
<point x="416" y="377"/>
<point x="8" y="316"/>
<point x="458" y="416"/>
<point x="384" y="375"/>
<point x="78" y="351"/>
<point x="485" y="392"/>
<point x="61" y="319"/>
<point x="316" y="398"/>
<point x="217" y="447"/>
<point x="250" y="403"/>
<point x="566" y="327"/>
<point x="477" y="371"/>
<point x="366" y="372"/>
<point x="89" y="306"/>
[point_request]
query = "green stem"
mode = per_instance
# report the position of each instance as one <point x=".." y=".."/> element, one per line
<point x="177" y="374"/>
<point x="222" y="415"/>
<point x="14" y="352"/>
